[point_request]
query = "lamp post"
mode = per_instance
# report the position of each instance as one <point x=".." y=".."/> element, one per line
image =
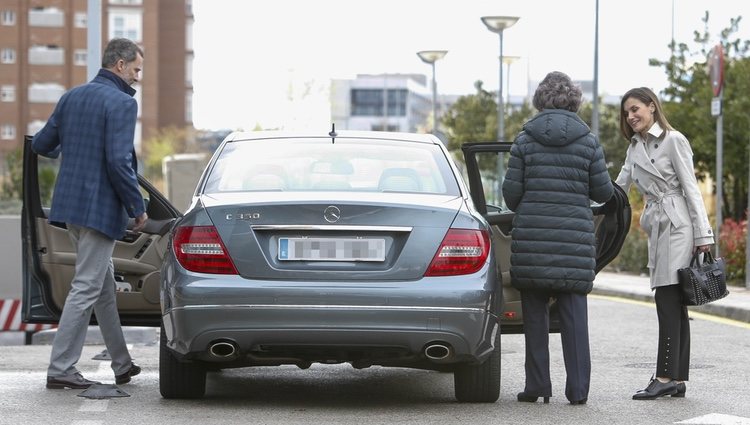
<point x="508" y="60"/>
<point x="430" y="57"/>
<point x="498" y="24"/>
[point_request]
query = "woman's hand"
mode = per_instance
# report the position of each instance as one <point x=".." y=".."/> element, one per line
<point x="703" y="248"/>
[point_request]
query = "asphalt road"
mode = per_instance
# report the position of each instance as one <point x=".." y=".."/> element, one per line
<point x="623" y="339"/>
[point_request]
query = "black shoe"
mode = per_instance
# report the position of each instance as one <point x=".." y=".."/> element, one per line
<point x="124" y="378"/>
<point x="581" y="401"/>
<point x="75" y="381"/>
<point x="681" y="389"/>
<point x="526" y="398"/>
<point x="656" y="389"/>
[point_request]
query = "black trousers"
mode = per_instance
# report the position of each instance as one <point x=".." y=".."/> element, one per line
<point x="673" y="358"/>
<point x="574" y="332"/>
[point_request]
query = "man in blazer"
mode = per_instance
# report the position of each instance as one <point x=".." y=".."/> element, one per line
<point x="96" y="191"/>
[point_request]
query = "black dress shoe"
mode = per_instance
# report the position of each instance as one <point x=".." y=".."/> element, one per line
<point x="527" y="398"/>
<point x="581" y="401"/>
<point x="656" y="389"/>
<point x="75" y="381"/>
<point x="124" y="378"/>
<point x="681" y="389"/>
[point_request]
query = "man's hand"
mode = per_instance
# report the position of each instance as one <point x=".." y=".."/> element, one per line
<point x="140" y="222"/>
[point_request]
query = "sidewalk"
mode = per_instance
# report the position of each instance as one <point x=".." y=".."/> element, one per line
<point x="734" y="306"/>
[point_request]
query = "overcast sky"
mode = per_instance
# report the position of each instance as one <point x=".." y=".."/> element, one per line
<point x="270" y="61"/>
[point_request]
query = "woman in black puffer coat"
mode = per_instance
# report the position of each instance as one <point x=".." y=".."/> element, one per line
<point x="555" y="169"/>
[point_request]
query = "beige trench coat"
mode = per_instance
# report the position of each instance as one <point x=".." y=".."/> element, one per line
<point x="674" y="218"/>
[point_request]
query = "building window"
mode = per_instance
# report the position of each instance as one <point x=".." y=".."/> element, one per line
<point x="189" y="70"/>
<point x="8" y="132"/>
<point x="8" y="17"/>
<point x="369" y="102"/>
<point x="126" y="2"/>
<point x="7" y="93"/>
<point x="189" y="7"/>
<point x="127" y="23"/>
<point x="7" y="55"/>
<point x="79" y="57"/>
<point x="81" y="19"/>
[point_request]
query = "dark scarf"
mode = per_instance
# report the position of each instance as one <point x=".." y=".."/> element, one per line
<point x="119" y="82"/>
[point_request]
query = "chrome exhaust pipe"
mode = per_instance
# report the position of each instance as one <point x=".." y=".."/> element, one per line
<point x="222" y="349"/>
<point x="437" y="352"/>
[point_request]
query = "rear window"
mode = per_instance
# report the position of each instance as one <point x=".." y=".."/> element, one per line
<point x="350" y="165"/>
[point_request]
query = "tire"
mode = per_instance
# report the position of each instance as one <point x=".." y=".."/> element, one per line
<point x="479" y="383"/>
<point x="179" y="379"/>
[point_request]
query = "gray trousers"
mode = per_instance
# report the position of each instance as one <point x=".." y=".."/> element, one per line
<point x="93" y="287"/>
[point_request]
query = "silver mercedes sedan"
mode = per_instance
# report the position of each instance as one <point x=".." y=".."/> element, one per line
<point x="354" y="247"/>
<point x="364" y="248"/>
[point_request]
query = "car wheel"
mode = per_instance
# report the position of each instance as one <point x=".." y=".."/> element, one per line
<point x="179" y="379"/>
<point x="479" y="383"/>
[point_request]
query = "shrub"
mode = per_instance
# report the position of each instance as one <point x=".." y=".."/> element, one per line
<point x="732" y="241"/>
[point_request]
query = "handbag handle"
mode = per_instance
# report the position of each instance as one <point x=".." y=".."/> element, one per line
<point x="708" y="258"/>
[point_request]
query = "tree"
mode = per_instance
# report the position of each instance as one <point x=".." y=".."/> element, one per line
<point x="688" y="106"/>
<point x="167" y="141"/>
<point x="471" y="119"/>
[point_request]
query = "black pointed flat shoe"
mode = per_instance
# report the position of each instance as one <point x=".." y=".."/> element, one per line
<point x="656" y="389"/>
<point x="527" y="398"/>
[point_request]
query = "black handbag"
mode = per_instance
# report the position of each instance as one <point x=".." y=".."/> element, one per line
<point x="705" y="282"/>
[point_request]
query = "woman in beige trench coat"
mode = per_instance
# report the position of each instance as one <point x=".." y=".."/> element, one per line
<point x="659" y="162"/>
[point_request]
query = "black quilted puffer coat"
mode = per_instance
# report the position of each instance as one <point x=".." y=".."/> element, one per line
<point x="556" y="167"/>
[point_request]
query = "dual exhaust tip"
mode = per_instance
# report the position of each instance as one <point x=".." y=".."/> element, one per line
<point x="438" y="351"/>
<point x="225" y="349"/>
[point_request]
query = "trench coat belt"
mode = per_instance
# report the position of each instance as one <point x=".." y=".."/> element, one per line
<point x="656" y="201"/>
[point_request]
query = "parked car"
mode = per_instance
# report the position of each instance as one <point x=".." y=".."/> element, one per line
<point x="357" y="247"/>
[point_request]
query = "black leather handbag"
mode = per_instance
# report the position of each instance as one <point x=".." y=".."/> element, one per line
<point x="703" y="282"/>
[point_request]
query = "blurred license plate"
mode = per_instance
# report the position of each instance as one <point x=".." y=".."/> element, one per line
<point x="331" y="249"/>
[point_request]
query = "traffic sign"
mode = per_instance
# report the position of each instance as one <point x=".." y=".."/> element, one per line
<point x="716" y="68"/>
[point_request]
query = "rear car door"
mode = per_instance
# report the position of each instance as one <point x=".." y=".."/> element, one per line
<point x="49" y="258"/>
<point x="486" y="163"/>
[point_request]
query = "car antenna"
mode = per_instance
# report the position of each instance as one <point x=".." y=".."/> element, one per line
<point x="333" y="133"/>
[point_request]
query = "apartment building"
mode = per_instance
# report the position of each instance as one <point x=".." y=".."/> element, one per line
<point x="43" y="54"/>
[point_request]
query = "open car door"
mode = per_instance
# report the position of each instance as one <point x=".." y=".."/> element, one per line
<point x="485" y="169"/>
<point x="49" y="258"/>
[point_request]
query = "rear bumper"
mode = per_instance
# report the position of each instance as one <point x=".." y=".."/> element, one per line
<point x="256" y="329"/>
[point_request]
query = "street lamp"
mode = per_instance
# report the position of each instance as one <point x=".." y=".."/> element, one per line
<point x="430" y="57"/>
<point x="508" y="60"/>
<point x="498" y="24"/>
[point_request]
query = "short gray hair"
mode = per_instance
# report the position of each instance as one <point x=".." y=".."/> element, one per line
<point x="557" y="91"/>
<point x="120" y="48"/>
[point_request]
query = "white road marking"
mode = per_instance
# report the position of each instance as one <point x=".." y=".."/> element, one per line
<point x="717" y="419"/>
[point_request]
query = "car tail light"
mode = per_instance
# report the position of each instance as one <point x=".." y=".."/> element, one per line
<point x="462" y="251"/>
<point x="200" y="249"/>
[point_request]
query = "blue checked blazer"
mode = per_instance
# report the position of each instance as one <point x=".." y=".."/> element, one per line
<point x="93" y="127"/>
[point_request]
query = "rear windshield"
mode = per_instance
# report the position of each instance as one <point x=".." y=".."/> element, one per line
<point x="350" y="165"/>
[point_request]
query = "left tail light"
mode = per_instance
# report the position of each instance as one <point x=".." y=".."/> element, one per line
<point x="463" y="251"/>
<point x="200" y="249"/>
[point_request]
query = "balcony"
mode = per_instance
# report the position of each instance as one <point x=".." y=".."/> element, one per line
<point x="46" y="17"/>
<point x="46" y="55"/>
<point x="45" y="92"/>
